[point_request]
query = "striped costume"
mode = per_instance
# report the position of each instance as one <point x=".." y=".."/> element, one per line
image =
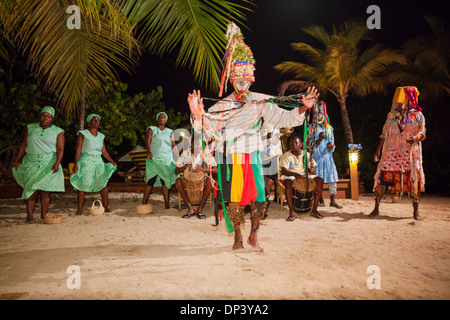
<point x="239" y="143"/>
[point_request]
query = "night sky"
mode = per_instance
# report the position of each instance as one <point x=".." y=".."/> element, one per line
<point x="273" y="26"/>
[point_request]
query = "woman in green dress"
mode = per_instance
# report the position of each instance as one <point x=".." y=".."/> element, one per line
<point x="91" y="174"/>
<point x="38" y="164"/>
<point x="160" y="166"/>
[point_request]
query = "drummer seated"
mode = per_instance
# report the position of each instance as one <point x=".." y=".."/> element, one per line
<point x="187" y="163"/>
<point x="291" y="165"/>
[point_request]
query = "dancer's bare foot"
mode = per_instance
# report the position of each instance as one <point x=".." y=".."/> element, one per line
<point x="238" y="245"/>
<point x="79" y="212"/>
<point x="416" y="211"/>
<point x="238" y="242"/>
<point x="417" y="216"/>
<point x="255" y="244"/>
<point x="335" y="204"/>
<point x="107" y="209"/>
<point x="374" y="213"/>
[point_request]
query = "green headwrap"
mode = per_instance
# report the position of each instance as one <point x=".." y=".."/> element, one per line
<point x="89" y="117"/>
<point x="157" y="116"/>
<point x="48" y="109"/>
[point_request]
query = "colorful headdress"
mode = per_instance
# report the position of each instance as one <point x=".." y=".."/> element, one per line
<point x="408" y="96"/>
<point x="238" y="61"/>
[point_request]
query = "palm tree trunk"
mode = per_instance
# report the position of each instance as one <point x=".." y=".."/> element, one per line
<point x="83" y="102"/>
<point x="346" y="121"/>
<point x="82" y="107"/>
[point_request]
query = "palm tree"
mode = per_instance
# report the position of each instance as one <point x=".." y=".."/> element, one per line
<point x="73" y="64"/>
<point x="76" y="65"/>
<point x="428" y="65"/>
<point x="341" y="67"/>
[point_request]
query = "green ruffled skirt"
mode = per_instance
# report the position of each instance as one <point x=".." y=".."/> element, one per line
<point x="93" y="174"/>
<point x="35" y="173"/>
<point x="163" y="168"/>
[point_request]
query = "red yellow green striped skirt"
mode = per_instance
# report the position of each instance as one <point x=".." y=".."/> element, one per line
<point x="241" y="178"/>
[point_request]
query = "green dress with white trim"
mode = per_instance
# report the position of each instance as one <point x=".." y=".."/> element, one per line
<point x="35" y="172"/>
<point x="162" y="165"/>
<point x="93" y="173"/>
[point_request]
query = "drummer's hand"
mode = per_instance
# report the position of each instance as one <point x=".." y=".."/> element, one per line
<point x="310" y="98"/>
<point x="198" y="168"/>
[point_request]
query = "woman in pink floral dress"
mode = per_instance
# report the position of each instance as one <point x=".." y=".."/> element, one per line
<point x="400" y="168"/>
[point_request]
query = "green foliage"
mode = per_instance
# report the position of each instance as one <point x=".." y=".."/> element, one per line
<point x="20" y="105"/>
<point x="125" y="118"/>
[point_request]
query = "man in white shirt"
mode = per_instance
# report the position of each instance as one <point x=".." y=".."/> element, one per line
<point x="188" y="162"/>
<point x="292" y="167"/>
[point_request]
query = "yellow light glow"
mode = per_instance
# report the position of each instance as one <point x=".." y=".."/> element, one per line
<point x="353" y="156"/>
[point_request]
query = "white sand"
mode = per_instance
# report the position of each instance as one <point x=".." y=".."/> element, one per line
<point x="123" y="255"/>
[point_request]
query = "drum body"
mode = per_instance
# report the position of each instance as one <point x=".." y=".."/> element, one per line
<point x="194" y="183"/>
<point x="304" y="193"/>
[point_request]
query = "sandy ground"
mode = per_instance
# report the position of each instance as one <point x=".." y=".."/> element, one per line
<point x="123" y="255"/>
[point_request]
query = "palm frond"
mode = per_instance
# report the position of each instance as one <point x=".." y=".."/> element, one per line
<point x="319" y="33"/>
<point x="194" y="27"/>
<point x="298" y="70"/>
<point x="74" y="63"/>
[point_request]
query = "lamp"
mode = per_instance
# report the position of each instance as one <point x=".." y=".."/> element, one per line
<point x="353" y="157"/>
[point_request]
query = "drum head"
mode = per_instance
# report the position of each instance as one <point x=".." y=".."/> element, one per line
<point x="300" y="184"/>
<point x="193" y="175"/>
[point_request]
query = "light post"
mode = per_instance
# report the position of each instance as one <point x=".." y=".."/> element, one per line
<point x="353" y="157"/>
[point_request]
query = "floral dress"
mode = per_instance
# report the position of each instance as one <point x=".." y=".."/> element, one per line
<point x="93" y="174"/>
<point x="35" y="172"/>
<point x="400" y="165"/>
<point x="162" y="165"/>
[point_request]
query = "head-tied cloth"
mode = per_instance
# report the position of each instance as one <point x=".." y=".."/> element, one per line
<point x="157" y="116"/>
<point x="238" y="61"/>
<point x="89" y="117"/>
<point x="49" y="110"/>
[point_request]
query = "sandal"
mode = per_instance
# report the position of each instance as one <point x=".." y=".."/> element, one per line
<point x="291" y="218"/>
<point x="188" y="215"/>
<point x="316" y="215"/>
<point x="201" y="216"/>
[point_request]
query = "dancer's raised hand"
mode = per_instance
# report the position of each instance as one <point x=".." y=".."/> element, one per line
<point x="196" y="104"/>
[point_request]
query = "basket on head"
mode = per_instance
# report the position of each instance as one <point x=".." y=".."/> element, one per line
<point x="51" y="218"/>
<point x="97" y="210"/>
<point x="144" y="209"/>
